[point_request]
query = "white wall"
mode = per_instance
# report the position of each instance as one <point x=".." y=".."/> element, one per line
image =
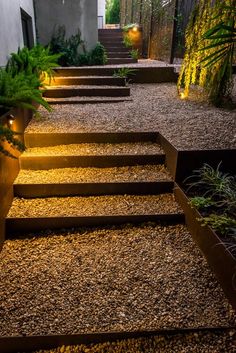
<point x="11" y="36"/>
<point x="72" y="14"/>
<point x="102" y="12"/>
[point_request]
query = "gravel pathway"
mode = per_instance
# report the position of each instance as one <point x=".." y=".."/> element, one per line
<point x="94" y="206"/>
<point x="118" y="278"/>
<point x="155" y="107"/>
<point x="84" y="149"/>
<point x="94" y="175"/>
<point x="202" y="342"/>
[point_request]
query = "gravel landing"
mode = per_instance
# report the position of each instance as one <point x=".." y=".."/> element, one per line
<point x="84" y="149"/>
<point x="188" y="124"/>
<point x="199" y="342"/>
<point x="104" y="279"/>
<point x="93" y="175"/>
<point x="94" y="206"/>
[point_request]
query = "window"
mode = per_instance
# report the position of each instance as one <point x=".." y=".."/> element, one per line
<point x="27" y="29"/>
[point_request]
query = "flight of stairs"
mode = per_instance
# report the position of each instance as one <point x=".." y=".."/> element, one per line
<point x="46" y="182"/>
<point x="117" y="53"/>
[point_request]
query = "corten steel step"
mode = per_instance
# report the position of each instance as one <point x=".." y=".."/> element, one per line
<point x="118" y="61"/>
<point x="54" y="162"/>
<point x="86" y="189"/>
<point x="62" y="92"/>
<point x="118" y="54"/>
<point x="58" y="212"/>
<point x="92" y="80"/>
<point x="19" y="225"/>
<point x="114" y="44"/>
<point x="37" y="139"/>
<point x="88" y="100"/>
<point x="119" y="49"/>
<point x="108" y="36"/>
<point x="112" y="40"/>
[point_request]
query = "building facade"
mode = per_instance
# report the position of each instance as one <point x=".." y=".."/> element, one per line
<point x="25" y="22"/>
<point x="17" y="27"/>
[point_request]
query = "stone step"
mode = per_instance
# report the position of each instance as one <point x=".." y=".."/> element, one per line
<point x="88" y="80"/>
<point x="92" y="155"/>
<point x="118" y="61"/>
<point x="88" y="100"/>
<point x="66" y="212"/>
<point x="145" y="179"/>
<point x="86" y="91"/>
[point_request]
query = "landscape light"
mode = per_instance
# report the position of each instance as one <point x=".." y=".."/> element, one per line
<point x="182" y="95"/>
<point x="135" y="28"/>
<point x="10" y="119"/>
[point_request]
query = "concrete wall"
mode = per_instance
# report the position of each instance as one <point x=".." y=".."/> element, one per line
<point x="11" y="36"/>
<point x="72" y="14"/>
<point x="102" y="12"/>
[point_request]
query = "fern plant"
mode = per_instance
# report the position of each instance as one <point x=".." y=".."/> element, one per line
<point x="20" y="90"/>
<point x="124" y="72"/>
<point x="7" y="135"/>
<point x="37" y="61"/>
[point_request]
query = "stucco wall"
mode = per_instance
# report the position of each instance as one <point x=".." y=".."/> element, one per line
<point x="11" y="36"/>
<point x="102" y="11"/>
<point x="72" y="14"/>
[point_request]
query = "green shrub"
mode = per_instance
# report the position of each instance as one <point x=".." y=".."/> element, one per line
<point x="134" y="54"/>
<point x="216" y="196"/>
<point x="98" y="55"/>
<point x="73" y="51"/>
<point x="201" y="202"/>
<point x="37" y="61"/>
<point x="9" y="136"/>
<point x="223" y="224"/>
<point x="127" y="41"/>
<point x="113" y="12"/>
<point x="20" y="90"/>
<point x="68" y="48"/>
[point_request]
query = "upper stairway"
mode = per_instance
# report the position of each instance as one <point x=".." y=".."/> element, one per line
<point x="112" y="40"/>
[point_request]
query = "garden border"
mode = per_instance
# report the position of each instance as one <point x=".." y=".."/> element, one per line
<point x="219" y="258"/>
<point x="26" y="344"/>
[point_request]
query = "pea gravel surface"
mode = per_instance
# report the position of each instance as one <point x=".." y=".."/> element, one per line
<point x="198" y="342"/>
<point x="188" y="124"/>
<point x="108" y="279"/>
<point x="143" y="173"/>
<point x="84" y="149"/>
<point x="94" y="206"/>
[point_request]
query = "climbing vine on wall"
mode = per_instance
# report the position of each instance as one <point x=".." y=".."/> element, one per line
<point x="210" y="33"/>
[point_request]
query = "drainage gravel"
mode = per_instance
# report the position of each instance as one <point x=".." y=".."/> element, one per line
<point x="94" y="206"/>
<point x="108" y="279"/>
<point x="155" y="107"/>
<point x="145" y="173"/>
